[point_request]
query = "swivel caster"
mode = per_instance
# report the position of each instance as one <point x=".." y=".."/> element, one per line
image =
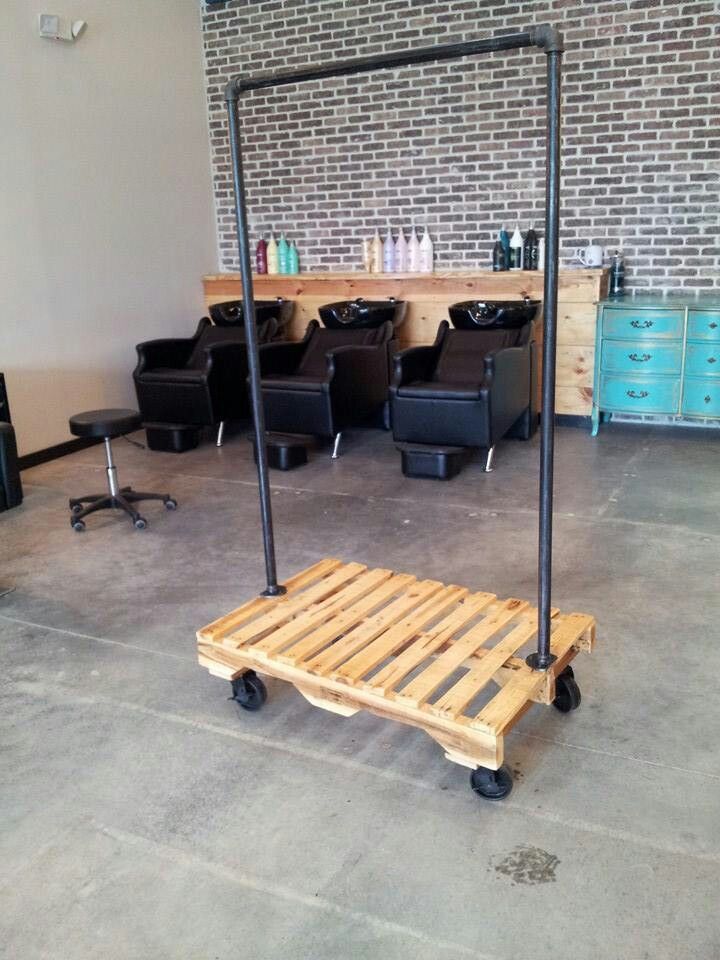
<point x="76" y="508"/>
<point x="170" y="504"/>
<point x="77" y="525"/>
<point x="140" y="523"/>
<point x="567" y="692"/>
<point x="249" y="691"/>
<point x="491" y="784"/>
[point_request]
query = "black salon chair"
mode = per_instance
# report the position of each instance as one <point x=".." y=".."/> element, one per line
<point x="11" y="492"/>
<point x="331" y="380"/>
<point x="196" y="381"/>
<point x="474" y="385"/>
<point x="230" y="314"/>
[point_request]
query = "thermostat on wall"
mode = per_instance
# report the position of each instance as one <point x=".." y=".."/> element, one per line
<point x="53" y="27"/>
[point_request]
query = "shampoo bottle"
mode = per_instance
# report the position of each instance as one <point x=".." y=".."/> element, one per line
<point x="504" y="239"/>
<point x="376" y="249"/>
<point x="413" y="252"/>
<point x="261" y="265"/>
<point x="293" y="259"/>
<point x="516" y="249"/>
<point x="530" y="250"/>
<point x="388" y="252"/>
<point x="401" y="253"/>
<point x="541" y="253"/>
<point x="367" y="255"/>
<point x="273" y="265"/>
<point x="426" y="253"/>
<point x="498" y="257"/>
<point x="283" y="251"/>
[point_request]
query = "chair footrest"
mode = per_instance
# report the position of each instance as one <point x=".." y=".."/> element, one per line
<point x="433" y="461"/>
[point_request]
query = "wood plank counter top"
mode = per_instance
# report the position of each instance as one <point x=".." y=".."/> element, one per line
<point x="429" y="295"/>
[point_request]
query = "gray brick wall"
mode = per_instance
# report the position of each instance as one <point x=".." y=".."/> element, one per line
<point x="459" y="147"/>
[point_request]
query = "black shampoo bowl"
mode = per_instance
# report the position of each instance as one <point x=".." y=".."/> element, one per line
<point x="230" y="313"/>
<point x="362" y="314"/>
<point x="493" y="314"/>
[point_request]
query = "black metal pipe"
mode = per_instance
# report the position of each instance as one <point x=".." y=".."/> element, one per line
<point x="272" y="588"/>
<point x="550" y="40"/>
<point x="543" y="658"/>
<point x="544" y="36"/>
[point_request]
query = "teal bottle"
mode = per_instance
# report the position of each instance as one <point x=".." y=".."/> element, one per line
<point x="283" y="254"/>
<point x="504" y="238"/>
<point x="293" y="259"/>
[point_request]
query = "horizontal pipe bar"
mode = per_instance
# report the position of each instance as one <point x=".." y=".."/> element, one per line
<point x="545" y="37"/>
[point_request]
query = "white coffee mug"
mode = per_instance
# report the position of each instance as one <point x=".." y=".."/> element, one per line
<point x="591" y="256"/>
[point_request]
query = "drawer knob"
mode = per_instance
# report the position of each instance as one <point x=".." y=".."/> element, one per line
<point x="712" y="360"/>
<point x="641" y="358"/>
<point x="708" y="398"/>
<point x="641" y="323"/>
<point x="640" y="395"/>
<point x="713" y="325"/>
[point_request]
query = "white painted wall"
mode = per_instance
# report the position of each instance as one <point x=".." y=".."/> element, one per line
<point x="106" y="206"/>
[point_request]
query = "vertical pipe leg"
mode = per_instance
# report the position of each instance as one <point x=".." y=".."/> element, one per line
<point x="336" y="446"/>
<point x="543" y="658"/>
<point x="111" y="470"/>
<point x="272" y="588"/>
<point x="220" y="434"/>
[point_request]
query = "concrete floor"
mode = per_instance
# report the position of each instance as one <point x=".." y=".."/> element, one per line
<point x="142" y="817"/>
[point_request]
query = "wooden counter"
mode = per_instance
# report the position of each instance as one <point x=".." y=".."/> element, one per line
<point x="428" y="297"/>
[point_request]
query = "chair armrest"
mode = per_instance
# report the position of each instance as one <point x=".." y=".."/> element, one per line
<point x="282" y="357"/>
<point x="356" y="367"/>
<point x="415" y="363"/>
<point x="507" y="364"/>
<point x="172" y="352"/>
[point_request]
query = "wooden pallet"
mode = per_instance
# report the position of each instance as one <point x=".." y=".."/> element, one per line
<point x="418" y="651"/>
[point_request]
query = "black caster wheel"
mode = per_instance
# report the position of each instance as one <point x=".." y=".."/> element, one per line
<point x="76" y="508"/>
<point x="140" y="523"/>
<point x="77" y="525"/>
<point x="249" y="691"/>
<point x="567" y="692"/>
<point x="567" y="672"/>
<point x="491" y="784"/>
<point x="170" y="504"/>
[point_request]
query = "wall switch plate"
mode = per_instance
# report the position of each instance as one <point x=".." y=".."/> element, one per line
<point x="56" y="28"/>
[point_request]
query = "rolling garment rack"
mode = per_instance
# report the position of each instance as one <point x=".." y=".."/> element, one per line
<point x="418" y="651"/>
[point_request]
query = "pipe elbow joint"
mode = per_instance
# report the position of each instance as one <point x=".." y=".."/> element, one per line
<point x="548" y="38"/>
<point x="232" y="90"/>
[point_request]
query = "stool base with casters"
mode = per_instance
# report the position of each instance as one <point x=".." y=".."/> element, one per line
<point x="108" y="424"/>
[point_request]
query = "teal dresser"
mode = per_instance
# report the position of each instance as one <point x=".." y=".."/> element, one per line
<point x="657" y="356"/>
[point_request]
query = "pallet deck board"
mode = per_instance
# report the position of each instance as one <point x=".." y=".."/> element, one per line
<point x="420" y="652"/>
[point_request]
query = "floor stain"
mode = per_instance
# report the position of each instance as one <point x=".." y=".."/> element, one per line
<point x="528" y="865"/>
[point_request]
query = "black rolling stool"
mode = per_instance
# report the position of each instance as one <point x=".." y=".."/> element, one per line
<point x="108" y="424"/>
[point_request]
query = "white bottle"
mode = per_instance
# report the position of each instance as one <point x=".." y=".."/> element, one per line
<point x="414" y="253"/>
<point x="367" y="255"/>
<point x="273" y="263"/>
<point x="516" y="249"/>
<point x="541" y="253"/>
<point x="401" y="253"/>
<point x="388" y="252"/>
<point x="426" y="253"/>
<point x="376" y="250"/>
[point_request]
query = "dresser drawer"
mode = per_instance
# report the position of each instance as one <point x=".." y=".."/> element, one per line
<point x="702" y="359"/>
<point x="639" y="394"/>
<point x="703" y="325"/>
<point x="628" y="324"/>
<point x="701" y="398"/>
<point x="645" y="357"/>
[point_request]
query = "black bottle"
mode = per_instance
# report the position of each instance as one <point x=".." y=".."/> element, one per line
<point x="617" y="275"/>
<point x="499" y="261"/>
<point x="530" y="250"/>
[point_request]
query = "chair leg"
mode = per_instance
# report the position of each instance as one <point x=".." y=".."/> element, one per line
<point x="220" y="434"/>
<point x="133" y="496"/>
<point x="489" y="460"/>
<point x="97" y="503"/>
<point x="336" y="446"/>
